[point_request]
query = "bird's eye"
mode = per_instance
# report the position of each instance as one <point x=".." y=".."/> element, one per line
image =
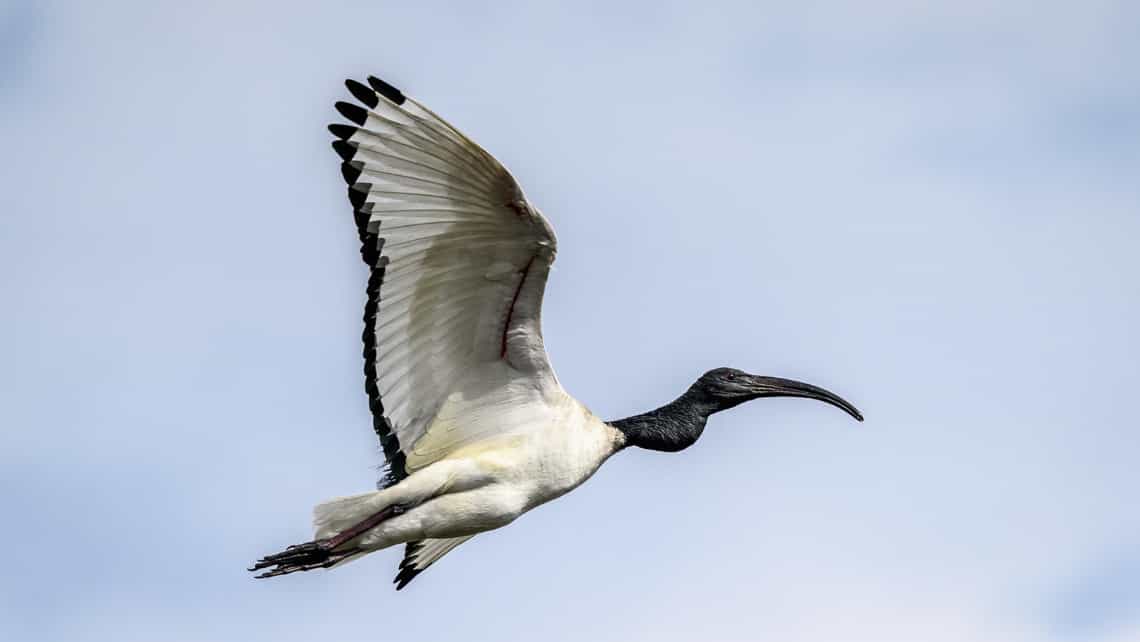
<point x="730" y="376"/>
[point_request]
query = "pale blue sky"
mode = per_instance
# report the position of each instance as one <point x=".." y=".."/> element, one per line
<point x="932" y="210"/>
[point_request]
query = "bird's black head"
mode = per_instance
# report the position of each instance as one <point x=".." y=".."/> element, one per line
<point x="724" y="388"/>
<point x="677" y="425"/>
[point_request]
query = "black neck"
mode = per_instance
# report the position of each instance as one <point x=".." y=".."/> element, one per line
<point x="672" y="427"/>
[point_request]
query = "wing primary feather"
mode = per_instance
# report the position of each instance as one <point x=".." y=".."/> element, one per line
<point x="358" y="194"/>
<point x="370" y="244"/>
<point x="355" y="113"/>
<point x="420" y="555"/>
<point x="342" y="131"/>
<point x="351" y="171"/>
<point x="408" y="570"/>
<point x="344" y="149"/>
<point x="377" y="155"/>
<point x="386" y="90"/>
<point x="362" y="93"/>
<point x="400" y="179"/>
<point x="467" y="160"/>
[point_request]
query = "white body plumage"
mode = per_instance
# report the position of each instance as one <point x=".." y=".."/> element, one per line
<point x="544" y="444"/>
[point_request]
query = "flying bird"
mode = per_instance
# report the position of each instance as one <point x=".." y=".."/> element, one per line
<point x="475" y="427"/>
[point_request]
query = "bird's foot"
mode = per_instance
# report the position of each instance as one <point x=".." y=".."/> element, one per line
<point x="321" y="553"/>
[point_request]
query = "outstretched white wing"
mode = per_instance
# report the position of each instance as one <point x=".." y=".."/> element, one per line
<point x="459" y="261"/>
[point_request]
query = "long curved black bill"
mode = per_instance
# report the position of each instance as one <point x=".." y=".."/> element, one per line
<point x="777" y="387"/>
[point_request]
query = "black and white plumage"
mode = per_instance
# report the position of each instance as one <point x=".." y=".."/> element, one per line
<point x="475" y="427"/>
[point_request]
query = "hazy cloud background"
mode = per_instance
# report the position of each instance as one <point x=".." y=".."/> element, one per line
<point x="932" y="209"/>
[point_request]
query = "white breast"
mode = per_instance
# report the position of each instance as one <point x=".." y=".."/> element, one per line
<point x="558" y="459"/>
<point x="540" y="444"/>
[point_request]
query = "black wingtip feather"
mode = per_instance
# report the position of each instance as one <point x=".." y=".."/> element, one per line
<point x="370" y="251"/>
<point x="355" y="113"/>
<point x="341" y="131"/>
<point x="404" y="577"/>
<point x="386" y="90"/>
<point x="408" y="572"/>
<point x="345" y="150"/>
<point x="362" y="93"/>
<point x="358" y="193"/>
<point x="351" y="171"/>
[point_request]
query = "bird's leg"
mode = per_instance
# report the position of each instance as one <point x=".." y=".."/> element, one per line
<point x="363" y="526"/>
<point x="323" y="553"/>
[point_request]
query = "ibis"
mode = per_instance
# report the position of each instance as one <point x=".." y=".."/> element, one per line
<point x="475" y="427"/>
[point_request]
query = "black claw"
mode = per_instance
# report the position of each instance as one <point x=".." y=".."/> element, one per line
<point x="355" y="113"/>
<point x="386" y="90"/>
<point x="362" y="93"/>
